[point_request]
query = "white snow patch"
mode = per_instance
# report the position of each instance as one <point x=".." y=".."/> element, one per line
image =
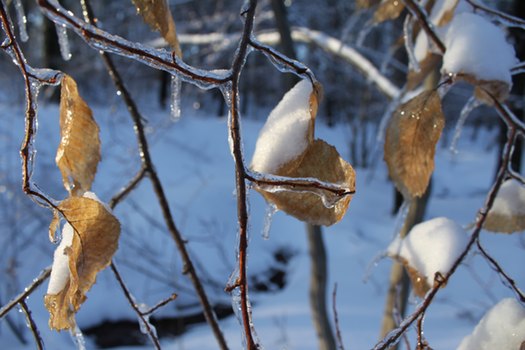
<point x="60" y="269"/>
<point x="283" y="137"/>
<point x="477" y="47"/>
<point x="431" y="246"/>
<point x="510" y="200"/>
<point x="502" y="327"/>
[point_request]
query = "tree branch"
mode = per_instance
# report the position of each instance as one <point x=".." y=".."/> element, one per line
<point x="31" y="323"/>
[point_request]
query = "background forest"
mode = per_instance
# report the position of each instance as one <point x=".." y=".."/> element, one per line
<point x="180" y="121"/>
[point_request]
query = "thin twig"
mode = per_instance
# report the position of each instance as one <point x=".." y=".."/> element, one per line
<point x="420" y="14"/>
<point x="240" y="172"/>
<point x="509" y="20"/>
<point x="131" y="300"/>
<point x="149" y="168"/>
<point x="501" y="272"/>
<point x="339" y="338"/>
<point x="128" y="188"/>
<point x="27" y="291"/>
<point x="160" y="304"/>
<point x="31" y="323"/>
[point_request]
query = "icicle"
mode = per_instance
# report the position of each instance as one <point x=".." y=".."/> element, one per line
<point x="145" y="324"/>
<point x="401" y="217"/>
<point x="22" y="20"/>
<point x="271" y="209"/>
<point x="78" y="338"/>
<point x="63" y="42"/>
<point x="367" y="28"/>
<point x="372" y="265"/>
<point x="175" y="108"/>
<point x="408" y="25"/>
<point x="328" y="198"/>
<point x="471" y="104"/>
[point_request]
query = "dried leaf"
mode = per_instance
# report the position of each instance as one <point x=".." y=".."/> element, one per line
<point x="487" y="90"/>
<point x="95" y="240"/>
<point x="364" y="4"/>
<point x="388" y="10"/>
<point x="427" y="65"/>
<point x="321" y="161"/>
<point x="79" y="151"/>
<point x="420" y="285"/>
<point x="157" y="14"/>
<point x="507" y="215"/>
<point x="410" y="144"/>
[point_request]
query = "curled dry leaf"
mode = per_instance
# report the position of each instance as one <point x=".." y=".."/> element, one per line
<point x="364" y="4"/>
<point x="94" y="241"/>
<point x="321" y="161"/>
<point x="78" y="153"/>
<point x="507" y="215"/>
<point x="411" y="137"/>
<point x="157" y="15"/>
<point x="388" y="10"/>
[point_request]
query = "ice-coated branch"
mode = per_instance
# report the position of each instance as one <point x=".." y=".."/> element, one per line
<point x="298" y="184"/>
<point x="420" y="14"/>
<point x="151" y="333"/>
<point x="441" y="280"/>
<point x="505" y="18"/>
<point x="340" y="345"/>
<point x="33" y="78"/>
<point x="240" y="172"/>
<point x="496" y="266"/>
<point x="28" y="290"/>
<point x="32" y="325"/>
<point x="101" y="40"/>
<point x="148" y="168"/>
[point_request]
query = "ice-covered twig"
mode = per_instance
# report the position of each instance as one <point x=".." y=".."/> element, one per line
<point x="298" y="184"/>
<point x="149" y="169"/>
<point x="28" y="290"/>
<point x="419" y="12"/>
<point x="159" y="59"/>
<point x="240" y="169"/>
<point x="340" y="344"/>
<point x="32" y="80"/>
<point x="151" y="333"/>
<point x="160" y="304"/>
<point x="512" y="284"/>
<point x="506" y="19"/>
<point x="128" y="188"/>
<point x="31" y="324"/>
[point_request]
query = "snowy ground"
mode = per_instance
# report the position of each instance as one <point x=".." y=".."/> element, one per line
<point x="194" y="162"/>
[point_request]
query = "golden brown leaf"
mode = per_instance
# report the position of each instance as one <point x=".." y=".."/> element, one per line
<point x="95" y="240"/>
<point x="410" y="144"/>
<point x="78" y="154"/>
<point x="427" y="66"/>
<point x="321" y="161"/>
<point x="388" y="10"/>
<point x="364" y="4"/>
<point x="157" y="14"/>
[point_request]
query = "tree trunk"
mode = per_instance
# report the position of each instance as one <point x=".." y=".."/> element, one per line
<point x="318" y="280"/>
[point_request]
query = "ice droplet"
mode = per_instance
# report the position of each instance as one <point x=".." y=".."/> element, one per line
<point x="63" y="42"/>
<point x="22" y="20"/>
<point x="271" y="209"/>
<point x="471" y="104"/>
<point x="145" y="325"/>
<point x="175" y="108"/>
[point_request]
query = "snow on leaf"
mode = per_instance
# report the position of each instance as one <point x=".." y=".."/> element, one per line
<point x="507" y="215"/>
<point x="502" y="327"/>
<point x="430" y="247"/>
<point x="157" y="15"/>
<point x="90" y="238"/>
<point x="321" y="161"/>
<point x="78" y="153"/>
<point x="388" y="10"/>
<point x="411" y="137"/>
<point x="478" y="52"/>
<point x="288" y="131"/>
